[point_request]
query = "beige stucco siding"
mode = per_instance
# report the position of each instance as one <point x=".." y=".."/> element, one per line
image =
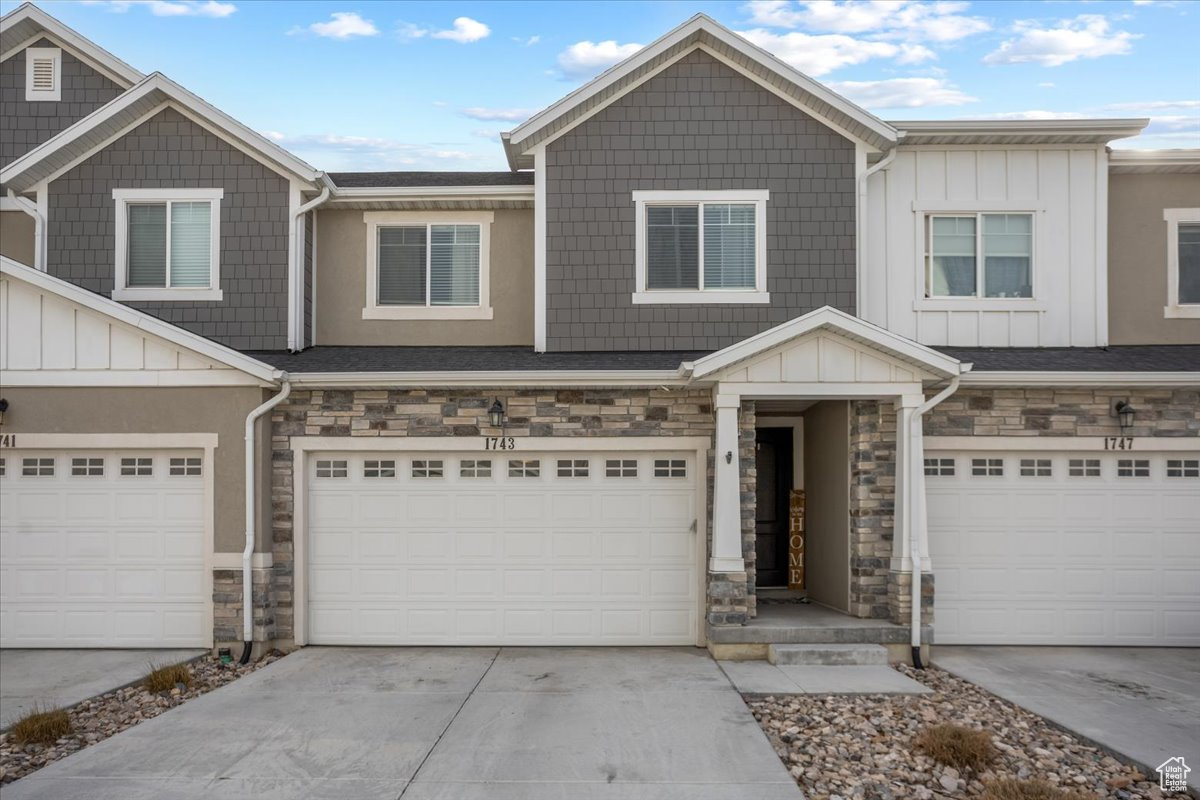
<point x="220" y="410"/>
<point x="1137" y="257"/>
<point x="16" y="236"/>
<point x="342" y="287"/>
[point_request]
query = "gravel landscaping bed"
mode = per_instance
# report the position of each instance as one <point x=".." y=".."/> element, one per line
<point x="108" y="714"/>
<point x="861" y="746"/>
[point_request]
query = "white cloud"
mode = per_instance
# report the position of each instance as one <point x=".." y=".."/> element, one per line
<point x="344" y="25"/>
<point x="821" y="54"/>
<point x="1154" y="105"/>
<point x="934" y="21"/>
<point x="1019" y="115"/>
<point x="498" y="114"/>
<point x="369" y="153"/>
<point x="465" y="31"/>
<point x="1085" y="36"/>
<point x="527" y="42"/>
<point x="175" y="8"/>
<point x="585" y="59"/>
<point x="1046" y="85"/>
<point x="903" y="93"/>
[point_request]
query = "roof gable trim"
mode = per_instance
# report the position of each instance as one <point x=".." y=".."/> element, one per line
<point x="82" y="48"/>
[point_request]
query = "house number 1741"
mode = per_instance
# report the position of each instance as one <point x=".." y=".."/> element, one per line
<point x="499" y="443"/>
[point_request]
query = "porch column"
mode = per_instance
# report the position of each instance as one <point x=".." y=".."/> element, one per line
<point x="727" y="496"/>
<point x="910" y="473"/>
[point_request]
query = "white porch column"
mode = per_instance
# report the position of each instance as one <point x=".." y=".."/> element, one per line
<point x="910" y="472"/>
<point x="727" y="495"/>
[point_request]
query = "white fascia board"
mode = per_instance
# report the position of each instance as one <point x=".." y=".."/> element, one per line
<point x="559" y="378"/>
<point x="366" y="193"/>
<point x="185" y="102"/>
<point x="971" y="129"/>
<point x="1090" y="378"/>
<point x="90" y="52"/>
<point x="142" y="321"/>
<point x="837" y="322"/>
<point x="696" y="24"/>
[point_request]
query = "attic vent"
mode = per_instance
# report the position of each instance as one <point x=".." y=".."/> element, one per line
<point x="43" y="68"/>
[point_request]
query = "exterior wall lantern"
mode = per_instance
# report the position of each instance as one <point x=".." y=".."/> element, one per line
<point x="3" y="408"/>
<point x="496" y="414"/>
<point x="1124" y="413"/>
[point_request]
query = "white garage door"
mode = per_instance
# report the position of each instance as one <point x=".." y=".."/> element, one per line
<point x="1065" y="548"/>
<point x="102" y="549"/>
<point x="529" y="548"/>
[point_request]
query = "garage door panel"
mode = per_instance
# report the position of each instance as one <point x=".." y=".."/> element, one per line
<point x="1113" y="559"/>
<point x="572" y="555"/>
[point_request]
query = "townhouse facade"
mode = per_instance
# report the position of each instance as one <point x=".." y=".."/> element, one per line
<point x="719" y="349"/>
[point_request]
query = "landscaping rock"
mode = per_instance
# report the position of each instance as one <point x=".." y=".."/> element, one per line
<point x="100" y="717"/>
<point x="861" y="746"/>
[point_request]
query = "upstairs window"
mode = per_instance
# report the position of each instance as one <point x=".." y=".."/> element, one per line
<point x="167" y="244"/>
<point x="701" y="247"/>
<point x="1183" y="263"/>
<point x="43" y="74"/>
<point x="979" y="255"/>
<point x="427" y="266"/>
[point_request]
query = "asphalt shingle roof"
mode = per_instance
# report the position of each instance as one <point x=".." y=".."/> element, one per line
<point x="382" y="180"/>
<point x="1127" y="358"/>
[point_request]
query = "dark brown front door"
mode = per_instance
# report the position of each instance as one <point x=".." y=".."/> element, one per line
<point x="773" y="459"/>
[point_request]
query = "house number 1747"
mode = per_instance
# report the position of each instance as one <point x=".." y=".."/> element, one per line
<point x="499" y="443"/>
<point x="1118" y="442"/>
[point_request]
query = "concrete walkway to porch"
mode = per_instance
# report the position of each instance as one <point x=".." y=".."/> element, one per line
<point x="1140" y="702"/>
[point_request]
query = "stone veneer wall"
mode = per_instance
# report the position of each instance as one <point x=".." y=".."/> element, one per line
<point x="532" y="413"/>
<point x="872" y="506"/>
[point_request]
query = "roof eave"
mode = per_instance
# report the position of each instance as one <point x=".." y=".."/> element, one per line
<point x="106" y="61"/>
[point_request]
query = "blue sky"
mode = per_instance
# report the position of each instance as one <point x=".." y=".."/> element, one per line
<point x="381" y="85"/>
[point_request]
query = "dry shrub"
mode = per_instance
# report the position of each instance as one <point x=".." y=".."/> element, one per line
<point x="164" y="679"/>
<point x="1016" y="789"/>
<point x="41" y="726"/>
<point x="956" y="746"/>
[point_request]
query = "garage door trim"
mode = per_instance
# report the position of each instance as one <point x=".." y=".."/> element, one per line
<point x="206" y="442"/>
<point x="303" y="446"/>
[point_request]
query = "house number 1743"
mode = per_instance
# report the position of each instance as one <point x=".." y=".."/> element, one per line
<point x="499" y="443"/>
<point x="1118" y="442"/>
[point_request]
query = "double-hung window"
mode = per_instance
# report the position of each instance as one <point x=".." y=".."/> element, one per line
<point x="979" y="255"/>
<point x="168" y="244"/>
<point x="701" y="247"/>
<point x="427" y="266"/>
<point x="1183" y="263"/>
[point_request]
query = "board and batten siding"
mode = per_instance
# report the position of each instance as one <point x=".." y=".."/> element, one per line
<point x="1064" y="186"/>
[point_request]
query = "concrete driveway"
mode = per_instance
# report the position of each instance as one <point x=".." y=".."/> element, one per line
<point x="1143" y="702"/>
<point x="64" y="677"/>
<point x="441" y="723"/>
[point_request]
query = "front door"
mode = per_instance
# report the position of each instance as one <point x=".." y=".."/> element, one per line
<point x="773" y="447"/>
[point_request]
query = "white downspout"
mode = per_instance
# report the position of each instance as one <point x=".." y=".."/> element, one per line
<point x="296" y="334"/>
<point x="39" y="229"/>
<point x="251" y="518"/>
<point x="916" y="506"/>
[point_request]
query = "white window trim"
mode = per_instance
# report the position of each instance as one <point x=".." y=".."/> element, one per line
<point x="121" y="291"/>
<point x="53" y="53"/>
<point x="976" y="302"/>
<point x="757" y="295"/>
<point x="377" y="219"/>
<point x="1174" y="309"/>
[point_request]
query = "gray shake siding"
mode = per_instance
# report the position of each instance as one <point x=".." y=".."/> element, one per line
<point x="170" y="151"/>
<point x="696" y="125"/>
<point x="24" y="125"/>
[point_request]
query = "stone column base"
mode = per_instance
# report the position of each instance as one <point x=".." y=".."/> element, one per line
<point x="900" y="598"/>
<point x="728" y="598"/>
<point x="227" y="609"/>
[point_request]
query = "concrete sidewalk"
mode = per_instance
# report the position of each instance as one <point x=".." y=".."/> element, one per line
<point x="65" y="677"/>
<point x="1143" y="703"/>
<point x="440" y="723"/>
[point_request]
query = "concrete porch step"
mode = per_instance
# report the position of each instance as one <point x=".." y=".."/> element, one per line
<point x="827" y="655"/>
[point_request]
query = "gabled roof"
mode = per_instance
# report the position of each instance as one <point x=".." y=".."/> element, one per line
<point x="28" y="22"/>
<point x="841" y="323"/>
<point x="699" y="31"/>
<point x="141" y="321"/>
<point x="144" y="99"/>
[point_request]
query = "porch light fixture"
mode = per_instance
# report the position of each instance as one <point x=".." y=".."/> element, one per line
<point x="1124" y="413"/>
<point x="3" y="408"/>
<point x="496" y="414"/>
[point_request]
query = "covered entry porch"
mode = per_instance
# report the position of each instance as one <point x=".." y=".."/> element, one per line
<point x="830" y="406"/>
